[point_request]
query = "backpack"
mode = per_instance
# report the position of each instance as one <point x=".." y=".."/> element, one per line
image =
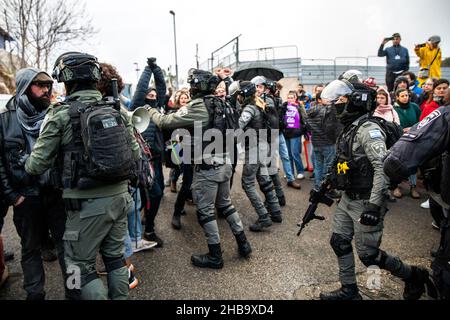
<point x="221" y="115"/>
<point x="145" y="172"/>
<point x="101" y="143"/>
<point x="391" y="129"/>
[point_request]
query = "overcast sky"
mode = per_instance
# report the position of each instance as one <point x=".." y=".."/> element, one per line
<point x="132" y="30"/>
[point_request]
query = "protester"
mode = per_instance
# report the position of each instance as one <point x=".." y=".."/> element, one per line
<point x="409" y="114"/>
<point x="430" y="55"/>
<point x="436" y="100"/>
<point x="397" y="59"/>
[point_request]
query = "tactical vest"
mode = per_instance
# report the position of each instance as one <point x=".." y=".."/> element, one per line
<point x="352" y="175"/>
<point x="100" y="151"/>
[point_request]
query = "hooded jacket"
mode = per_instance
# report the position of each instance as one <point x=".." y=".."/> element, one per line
<point x="387" y="111"/>
<point x="13" y="143"/>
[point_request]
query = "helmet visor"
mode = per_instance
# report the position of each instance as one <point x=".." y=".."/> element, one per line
<point x="334" y="90"/>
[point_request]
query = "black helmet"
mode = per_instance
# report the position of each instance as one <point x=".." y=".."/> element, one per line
<point x="202" y="81"/>
<point x="272" y="86"/>
<point x="76" y="66"/>
<point x="247" y="88"/>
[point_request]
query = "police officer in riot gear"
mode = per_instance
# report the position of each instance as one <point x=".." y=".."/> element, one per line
<point x="359" y="173"/>
<point x="426" y="145"/>
<point x="96" y="209"/>
<point x="212" y="171"/>
<point x="257" y="157"/>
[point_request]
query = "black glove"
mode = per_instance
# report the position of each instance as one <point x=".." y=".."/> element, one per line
<point x="151" y="62"/>
<point x="370" y="215"/>
<point x="18" y="160"/>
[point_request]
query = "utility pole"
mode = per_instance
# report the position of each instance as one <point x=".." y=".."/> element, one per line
<point x="175" y="42"/>
<point x="196" y="55"/>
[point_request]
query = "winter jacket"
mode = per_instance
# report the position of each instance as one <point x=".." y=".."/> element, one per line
<point x="13" y="144"/>
<point x="393" y="64"/>
<point x="408" y="116"/>
<point x="429" y="108"/>
<point x="152" y="134"/>
<point x="426" y="55"/>
<point x="316" y="115"/>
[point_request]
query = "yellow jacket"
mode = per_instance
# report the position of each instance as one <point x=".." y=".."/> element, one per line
<point x="426" y="55"/>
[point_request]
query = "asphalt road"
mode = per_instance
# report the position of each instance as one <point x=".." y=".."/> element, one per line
<point x="282" y="265"/>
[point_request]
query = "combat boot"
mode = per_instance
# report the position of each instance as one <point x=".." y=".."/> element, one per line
<point x="346" y="292"/>
<point x="282" y="201"/>
<point x="260" y="224"/>
<point x="176" y="221"/>
<point x="212" y="260"/>
<point x="415" y="284"/>
<point x="276" y="217"/>
<point x="243" y="245"/>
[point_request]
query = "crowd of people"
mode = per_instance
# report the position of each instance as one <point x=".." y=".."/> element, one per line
<point x="82" y="179"/>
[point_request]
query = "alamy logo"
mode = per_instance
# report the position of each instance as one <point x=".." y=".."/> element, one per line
<point x="209" y="146"/>
<point x="374" y="278"/>
<point x="74" y="279"/>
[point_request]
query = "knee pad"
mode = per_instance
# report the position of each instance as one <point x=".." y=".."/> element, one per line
<point x="226" y="211"/>
<point x="340" y="245"/>
<point x="376" y="259"/>
<point x="113" y="263"/>
<point x="202" y="219"/>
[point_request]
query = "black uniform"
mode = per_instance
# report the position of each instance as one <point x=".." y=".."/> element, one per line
<point x="413" y="150"/>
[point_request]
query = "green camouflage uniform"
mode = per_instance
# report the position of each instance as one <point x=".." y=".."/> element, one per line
<point x="101" y="224"/>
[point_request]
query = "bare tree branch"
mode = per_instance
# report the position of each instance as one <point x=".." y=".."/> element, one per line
<point x="42" y="26"/>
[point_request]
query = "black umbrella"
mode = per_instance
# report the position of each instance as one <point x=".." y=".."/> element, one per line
<point x="248" y="71"/>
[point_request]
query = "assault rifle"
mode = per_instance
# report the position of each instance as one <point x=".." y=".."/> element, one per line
<point x="316" y="197"/>
<point x="320" y="196"/>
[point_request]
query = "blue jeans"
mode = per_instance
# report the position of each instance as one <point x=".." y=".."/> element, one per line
<point x="323" y="158"/>
<point x="413" y="180"/>
<point x="134" y="218"/>
<point x="294" y="149"/>
<point x="128" y="248"/>
<point x="284" y="156"/>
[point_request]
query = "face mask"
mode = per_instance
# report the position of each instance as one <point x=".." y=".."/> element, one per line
<point x="152" y="103"/>
<point x="340" y="108"/>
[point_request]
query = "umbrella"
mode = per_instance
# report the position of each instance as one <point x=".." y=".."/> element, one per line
<point x="247" y="71"/>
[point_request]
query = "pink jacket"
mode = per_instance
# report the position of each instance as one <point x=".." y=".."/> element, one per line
<point x="387" y="112"/>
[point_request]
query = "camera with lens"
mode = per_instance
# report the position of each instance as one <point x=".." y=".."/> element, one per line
<point x="389" y="39"/>
<point x="421" y="45"/>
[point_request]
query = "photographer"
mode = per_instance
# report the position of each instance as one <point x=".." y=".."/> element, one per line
<point x="430" y="56"/>
<point x="397" y="59"/>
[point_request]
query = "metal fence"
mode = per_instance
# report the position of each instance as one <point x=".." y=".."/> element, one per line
<point x="309" y="71"/>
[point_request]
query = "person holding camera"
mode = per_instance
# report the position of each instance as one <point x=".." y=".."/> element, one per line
<point x="430" y="56"/>
<point x="397" y="59"/>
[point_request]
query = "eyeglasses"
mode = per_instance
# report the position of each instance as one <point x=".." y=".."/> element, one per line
<point x="42" y="84"/>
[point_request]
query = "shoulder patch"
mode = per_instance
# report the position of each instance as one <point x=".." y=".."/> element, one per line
<point x="375" y="134"/>
<point x="379" y="149"/>
<point x="429" y="119"/>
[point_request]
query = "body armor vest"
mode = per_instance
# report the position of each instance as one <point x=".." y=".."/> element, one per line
<point x="353" y="174"/>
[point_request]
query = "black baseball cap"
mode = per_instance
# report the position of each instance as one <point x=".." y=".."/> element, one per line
<point x="396" y="35"/>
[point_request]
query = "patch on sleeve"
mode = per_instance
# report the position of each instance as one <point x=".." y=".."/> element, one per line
<point x="429" y="119"/>
<point x="375" y="134"/>
<point x="379" y="149"/>
<point x="183" y="111"/>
